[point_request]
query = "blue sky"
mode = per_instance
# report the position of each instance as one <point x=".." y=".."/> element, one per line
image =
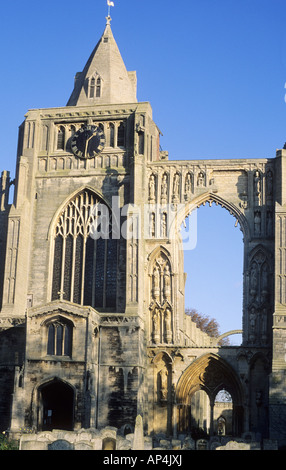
<point x="214" y="72"/>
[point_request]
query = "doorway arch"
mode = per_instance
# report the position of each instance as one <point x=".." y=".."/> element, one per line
<point x="211" y="374"/>
<point x="56" y="406"/>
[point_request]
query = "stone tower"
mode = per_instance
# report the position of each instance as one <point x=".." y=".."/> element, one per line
<point x="93" y="327"/>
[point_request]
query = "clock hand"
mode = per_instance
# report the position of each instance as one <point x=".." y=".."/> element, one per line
<point x="86" y="143"/>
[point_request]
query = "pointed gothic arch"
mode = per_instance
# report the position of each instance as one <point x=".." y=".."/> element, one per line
<point x="83" y="253"/>
<point x="209" y="373"/>
<point x="54" y="404"/>
<point x="184" y="210"/>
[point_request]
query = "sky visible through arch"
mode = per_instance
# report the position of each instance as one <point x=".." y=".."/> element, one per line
<point x="213" y="71"/>
<point x="214" y="268"/>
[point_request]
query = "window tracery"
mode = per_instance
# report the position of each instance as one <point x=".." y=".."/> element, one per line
<point x="59" y="338"/>
<point x="85" y="255"/>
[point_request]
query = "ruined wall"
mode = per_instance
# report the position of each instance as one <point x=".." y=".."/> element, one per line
<point x="120" y="375"/>
<point x="12" y="350"/>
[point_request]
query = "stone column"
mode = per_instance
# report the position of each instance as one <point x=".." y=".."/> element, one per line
<point x="4" y="190"/>
<point x="277" y="398"/>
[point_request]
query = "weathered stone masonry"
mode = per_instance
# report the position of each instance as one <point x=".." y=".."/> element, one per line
<point x="99" y="324"/>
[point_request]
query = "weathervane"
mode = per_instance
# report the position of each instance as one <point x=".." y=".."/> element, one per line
<point x="110" y="4"/>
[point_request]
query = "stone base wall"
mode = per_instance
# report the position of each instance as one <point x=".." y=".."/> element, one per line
<point x="109" y="439"/>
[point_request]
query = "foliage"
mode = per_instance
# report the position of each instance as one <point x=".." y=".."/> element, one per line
<point x="6" y="443"/>
<point x="206" y="324"/>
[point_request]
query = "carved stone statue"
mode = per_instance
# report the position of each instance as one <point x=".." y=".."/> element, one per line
<point x="152" y="188"/>
<point x="156" y="326"/>
<point x="176" y="187"/>
<point x="167" y="283"/>
<point x="188" y="183"/>
<point x="164" y="189"/>
<point x="257" y="188"/>
<point x="156" y="283"/>
<point x="201" y="178"/>
<point x="164" y="225"/>
<point x="168" y="326"/>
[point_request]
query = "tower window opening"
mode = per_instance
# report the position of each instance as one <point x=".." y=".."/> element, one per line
<point x="121" y="135"/>
<point x="92" y="88"/>
<point x="61" y="138"/>
<point x="98" y="87"/>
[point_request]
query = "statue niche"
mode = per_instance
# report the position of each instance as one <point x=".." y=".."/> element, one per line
<point x="257" y="188"/>
<point x="161" y="311"/>
<point x="259" y="298"/>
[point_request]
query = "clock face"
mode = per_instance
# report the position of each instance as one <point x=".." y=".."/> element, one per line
<point x="88" y="141"/>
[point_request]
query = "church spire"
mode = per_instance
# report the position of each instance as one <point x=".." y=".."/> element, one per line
<point x="104" y="79"/>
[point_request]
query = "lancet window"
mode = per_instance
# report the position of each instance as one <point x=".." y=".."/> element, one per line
<point x="85" y="255"/>
<point x="59" y="338"/>
<point x="94" y="87"/>
<point x="98" y="87"/>
<point x="121" y="135"/>
<point x="61" y="138"/>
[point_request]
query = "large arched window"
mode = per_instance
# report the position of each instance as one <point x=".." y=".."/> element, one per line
<point x="85" y="255"/>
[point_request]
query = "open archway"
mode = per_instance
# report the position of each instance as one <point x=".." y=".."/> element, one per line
<point x="214" y="265"/>
<point x="210" y="374"/>
<point x="56" y="410"/>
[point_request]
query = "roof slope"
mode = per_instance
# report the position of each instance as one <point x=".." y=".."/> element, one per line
<point x="104" y="79"/>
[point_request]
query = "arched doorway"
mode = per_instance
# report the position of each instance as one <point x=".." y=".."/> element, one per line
<point x="56" y="410"/>
<point x="223" y="413"/>
<point x="209" y="374"/>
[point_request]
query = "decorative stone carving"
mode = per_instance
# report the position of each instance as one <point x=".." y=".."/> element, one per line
<point x="167" y="283"/>
<point x="176" y="188"/>
<point x="168" y="325"/>
<point x="257" y="188"/>
<point x="161" y="310"/>
<point x="201" y="179"/>
<point x="156" y="325"/>
<point x="164" y="225"/>
<point x="269" y="186"/>
<point x="259" y="298"/>
<point x="152" y="189"/>
<point x="164" y="189"/>
<point x="152" y="225"/>
<point x="156" y="283"/>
